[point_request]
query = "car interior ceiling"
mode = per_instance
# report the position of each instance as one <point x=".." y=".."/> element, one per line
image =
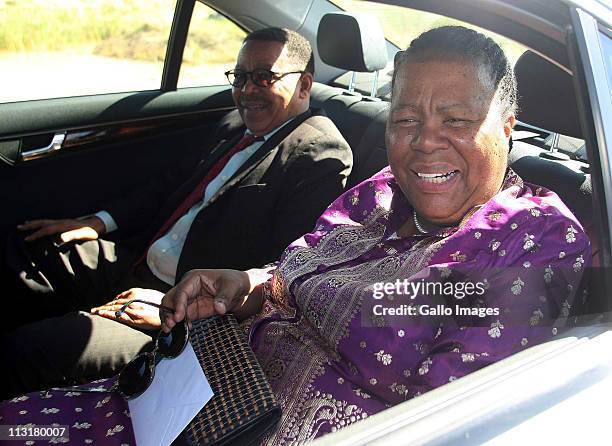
<point x="362" y="121"/>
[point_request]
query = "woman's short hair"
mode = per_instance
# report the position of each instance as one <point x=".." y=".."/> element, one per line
<point x="470" y="45"/>
<point x="299" y="51"/>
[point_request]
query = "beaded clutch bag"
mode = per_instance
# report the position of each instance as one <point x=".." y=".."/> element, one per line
<point x="243" y="408"/>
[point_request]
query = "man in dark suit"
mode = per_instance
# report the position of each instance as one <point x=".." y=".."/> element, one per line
<point x="275" y="167"/>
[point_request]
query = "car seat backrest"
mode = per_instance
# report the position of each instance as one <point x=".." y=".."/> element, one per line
<point x="546" y="95"/>
<point x="361" y="122"/>
<point x="354" y="42"/>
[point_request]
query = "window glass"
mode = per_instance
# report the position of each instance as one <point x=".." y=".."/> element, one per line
<point x="58" y="48"/>
<point x="402" y="25"/>
<point x="212" y="45"/>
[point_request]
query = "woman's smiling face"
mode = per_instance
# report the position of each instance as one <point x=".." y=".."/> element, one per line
<point x="446" y="137"/>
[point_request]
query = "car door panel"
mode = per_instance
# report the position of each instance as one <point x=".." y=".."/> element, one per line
<point x="111" y="144"/>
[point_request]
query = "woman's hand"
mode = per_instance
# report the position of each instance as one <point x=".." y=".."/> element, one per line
<point x="137" y="315"/>
<point x="205" y="292"/>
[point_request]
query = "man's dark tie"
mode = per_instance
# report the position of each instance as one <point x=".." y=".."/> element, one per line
<point x="198" y="192"/>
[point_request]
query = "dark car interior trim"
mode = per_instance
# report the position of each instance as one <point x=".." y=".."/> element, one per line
<point x="51" y="115"/>
<point x="92" y="137"/>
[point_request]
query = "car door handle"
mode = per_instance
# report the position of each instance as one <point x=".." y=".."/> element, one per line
<point x="56" y="144"/>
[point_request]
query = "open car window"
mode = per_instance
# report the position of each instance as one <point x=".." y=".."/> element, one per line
<point x="212" y="44"/>
<point x="113" y="47"/>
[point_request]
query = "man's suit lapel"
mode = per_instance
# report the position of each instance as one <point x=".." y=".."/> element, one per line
<point x="267" y="150"/>
<point x="205" y="165"/>
<point x="200" y="171"/>
<point x="215" y="155"/>
<point x="254" y="160"/>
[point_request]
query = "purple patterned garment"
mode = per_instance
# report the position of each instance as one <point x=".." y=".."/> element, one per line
<point x="331" y="361"/>
<point x="91" y="418"/>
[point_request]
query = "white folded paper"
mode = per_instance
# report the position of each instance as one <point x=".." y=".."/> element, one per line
<point x="178" y="392"/>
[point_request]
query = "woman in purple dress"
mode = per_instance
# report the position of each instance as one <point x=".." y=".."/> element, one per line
<point x="330" y="331"/>
<point x="431" y="269"/>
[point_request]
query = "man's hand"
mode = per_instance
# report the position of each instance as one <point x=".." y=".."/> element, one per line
<point x="205" y="292"/>
<point x="138" y="315"/>
<point x="69" y="229"/>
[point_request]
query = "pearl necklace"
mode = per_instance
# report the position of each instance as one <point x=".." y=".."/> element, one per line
<point x="417" y="224"/>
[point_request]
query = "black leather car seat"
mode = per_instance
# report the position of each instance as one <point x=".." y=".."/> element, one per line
<point x="354" y="42"/>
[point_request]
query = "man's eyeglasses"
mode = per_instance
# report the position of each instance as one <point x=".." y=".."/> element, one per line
<point x="137" y="375"/>
<point x="260" y="77"/>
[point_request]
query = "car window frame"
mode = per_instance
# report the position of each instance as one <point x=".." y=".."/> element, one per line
<point x="176" y="44"/>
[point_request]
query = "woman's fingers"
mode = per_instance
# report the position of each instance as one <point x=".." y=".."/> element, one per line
<point x="220" y="304"/>
<point x="203" y="293"/>
<point x="193" y="295"/>
<point x="231" y="288"/>
<point x="114" y="305"/>
<point x="126" y="295"/>
<point x="171" y="300"/>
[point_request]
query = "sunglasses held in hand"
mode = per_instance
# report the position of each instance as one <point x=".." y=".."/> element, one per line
<point x="137" y="375"/>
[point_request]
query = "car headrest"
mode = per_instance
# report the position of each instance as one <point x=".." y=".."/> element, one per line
<point x="546" y="95"/>
<point x="353" y="42"/>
